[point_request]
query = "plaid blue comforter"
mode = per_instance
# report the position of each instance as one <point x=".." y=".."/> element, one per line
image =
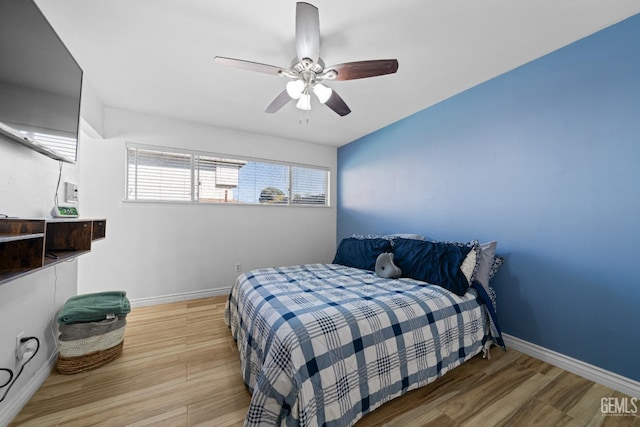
<point x="325" y="344"/>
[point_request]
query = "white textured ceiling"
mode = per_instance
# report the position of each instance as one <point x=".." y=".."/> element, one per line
<point x="156" y="56"/>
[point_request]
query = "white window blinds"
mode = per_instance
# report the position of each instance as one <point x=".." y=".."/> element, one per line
<point x="159" y="174"/>
<point x="217" y="179"/>
<point x="307" y="186"/>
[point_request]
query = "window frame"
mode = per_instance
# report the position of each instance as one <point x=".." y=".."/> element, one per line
<point x="195" y="190"/>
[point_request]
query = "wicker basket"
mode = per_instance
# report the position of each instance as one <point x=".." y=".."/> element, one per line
<point x="90" y="344"/>
<point x="96" y="345"/>
<point x="91" y="334"/>
<point x="87" y="362"/>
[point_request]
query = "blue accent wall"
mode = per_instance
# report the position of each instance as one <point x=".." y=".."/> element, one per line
<point x="546" y="160"/>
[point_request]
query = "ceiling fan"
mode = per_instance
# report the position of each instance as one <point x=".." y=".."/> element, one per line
<point x="308" y="71"/>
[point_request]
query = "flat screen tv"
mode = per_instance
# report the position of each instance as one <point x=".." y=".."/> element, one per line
<point x="40" y="83"/>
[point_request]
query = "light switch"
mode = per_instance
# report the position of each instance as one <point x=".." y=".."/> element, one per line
<point x="70" y="193"/>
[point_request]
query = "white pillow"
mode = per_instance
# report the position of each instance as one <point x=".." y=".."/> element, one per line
<point x="468" y="266"/>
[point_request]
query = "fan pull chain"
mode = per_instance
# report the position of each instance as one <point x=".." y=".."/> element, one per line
<point x="304" y="120"/>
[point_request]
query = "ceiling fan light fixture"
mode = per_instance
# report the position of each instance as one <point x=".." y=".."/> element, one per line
<point x="322" y="92"/>
<point x="295" y="88"/>
<point x="304" y="103"/>
<point x="307" y="69"/>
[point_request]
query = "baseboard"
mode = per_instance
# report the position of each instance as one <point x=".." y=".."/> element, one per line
<point x="601" y="376"/>
<point x="165" y="299"/>
<point x="27" y="391"/>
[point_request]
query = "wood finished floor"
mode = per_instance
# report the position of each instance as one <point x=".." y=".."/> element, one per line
<point x="180" y="367"/>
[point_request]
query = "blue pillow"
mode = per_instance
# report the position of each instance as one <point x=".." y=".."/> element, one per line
<point x="361" y="253"/>
<point x="437" y="263"/>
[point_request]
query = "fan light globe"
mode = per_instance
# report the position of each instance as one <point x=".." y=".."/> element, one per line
<point x="322" y="92"/>
<point x="295" y="88"/>
<point x="304" y="103"/>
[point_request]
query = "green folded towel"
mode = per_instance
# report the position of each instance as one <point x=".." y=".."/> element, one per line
<point x="94" y="307"/>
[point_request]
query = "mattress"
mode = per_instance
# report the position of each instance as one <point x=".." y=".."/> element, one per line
<point x="325" y="344"/>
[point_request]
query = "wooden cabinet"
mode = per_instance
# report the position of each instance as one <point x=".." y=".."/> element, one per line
<point x="99" y="229"/>
<point x="21" y="247"/>
<point x="27" y="245"/>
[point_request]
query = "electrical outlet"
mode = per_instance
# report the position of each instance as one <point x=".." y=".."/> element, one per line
<point x="18" y="338"/>
<point x="238" y="267"/>
<point x="19" y="345"/>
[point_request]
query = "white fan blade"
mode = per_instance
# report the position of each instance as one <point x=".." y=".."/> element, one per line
<point x="248" y="65"/>
<point x="280" y="101"/>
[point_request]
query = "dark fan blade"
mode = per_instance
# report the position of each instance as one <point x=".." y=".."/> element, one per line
<point x="362" y="69"/>
<point x="280" y="101"/>
<point x="248" y="65"/>
<point x="337" y="104"/>
<point x="307" y="31"/>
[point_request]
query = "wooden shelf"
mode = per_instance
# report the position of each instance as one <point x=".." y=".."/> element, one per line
<point x="56" y="257"/>
<point x="20" y="228"/>
<point x="27" y="245"/>
<point x="99" y="230"/>
<point x="21" y="247"/>
<point x="10" y="238"/>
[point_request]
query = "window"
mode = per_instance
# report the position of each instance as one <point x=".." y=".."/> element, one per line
<point x="173" y="175"/>
<point x="158" y="175"/>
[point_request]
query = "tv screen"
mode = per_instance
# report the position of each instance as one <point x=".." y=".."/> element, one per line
<point x="40" y="83"/>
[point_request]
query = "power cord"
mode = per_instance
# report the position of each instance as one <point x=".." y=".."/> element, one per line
<point x="11" y="381"/>
<point x="10" y="372"/>
<point x="55" y="197"/>
<point x="53" y="325"/>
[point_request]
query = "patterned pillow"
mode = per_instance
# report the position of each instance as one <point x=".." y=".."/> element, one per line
<point x="495" y="266"/>
<point x="388" y="236"/>
<point x="487" y="254"/>
<point x="367" y="236"/>
<point x="405" y="236"/>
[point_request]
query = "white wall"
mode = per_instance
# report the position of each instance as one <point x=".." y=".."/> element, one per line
<point x="92" y="118"/>
<point x="151" y="250"/>
<point x="163" y="250"/>
<point x="29" y="304"/>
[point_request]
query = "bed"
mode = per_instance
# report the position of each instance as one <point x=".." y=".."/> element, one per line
<point x="325" y="344"/>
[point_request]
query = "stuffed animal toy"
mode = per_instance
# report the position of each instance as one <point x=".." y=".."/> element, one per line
<point x="386" y="268"/>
